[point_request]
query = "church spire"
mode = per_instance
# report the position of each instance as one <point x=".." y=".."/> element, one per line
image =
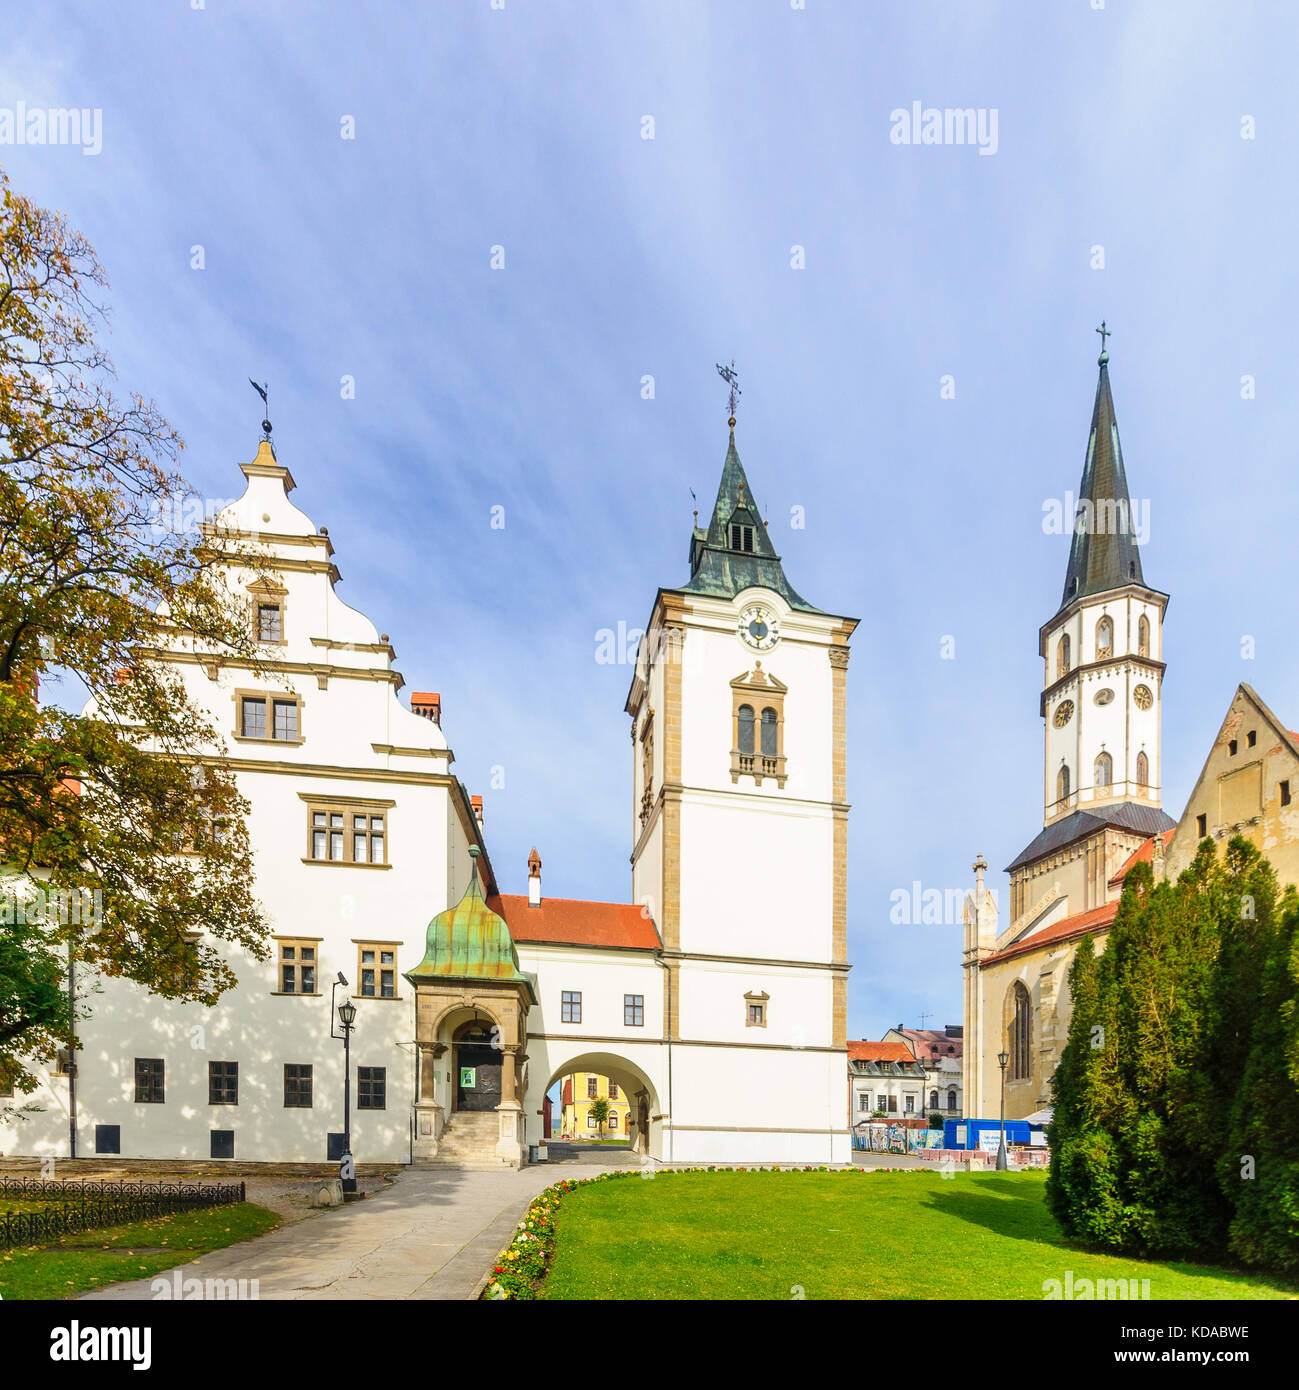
<point x="1104" y="554"/>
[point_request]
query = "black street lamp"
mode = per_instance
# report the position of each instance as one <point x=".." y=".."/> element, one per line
<point x="1003" y="1163"/>
<point x="347" y="1018"/>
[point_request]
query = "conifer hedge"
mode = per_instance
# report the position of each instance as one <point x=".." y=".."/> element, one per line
<point x="1175" y="1129"/>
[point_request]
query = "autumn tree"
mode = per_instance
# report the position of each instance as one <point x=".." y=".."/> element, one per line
<point x="123" y="845"/>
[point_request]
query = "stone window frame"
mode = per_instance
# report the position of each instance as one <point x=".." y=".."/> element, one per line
<point x="647" y="765"/>
<point x="1143" y="770"/>
<point x="266" y="593"/>
<point x="348" y="807"/>
<point x="378" y="947"/>
<point x="1104" y="627"/>
<point x="758" y="690"/>
<point x="295" y="943"/>
<point x="1063" y="663"/>
<point x="271" y="699"/>
<point x="593" y="1088"/>
<point x="1143" y="636"/>
<point x="1019" y="1031"/>
<point x="756" y="1000"/>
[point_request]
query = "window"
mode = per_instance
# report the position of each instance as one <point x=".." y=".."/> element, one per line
<point x="633" y="1010"/>
<point x="570" y="1008"/>
<point x="149" y="1075"/>
<point x="893" y="1105"/>
<point x="371" y="1088"/>
<point x="1062" y="656"/>
<point x="269" y="718"/>
<point x="951" y="1098"/>
<point x="863" y="1102"/>
<point x="347" y="832"/>
<point x="1143" y="636"/>
<point x="1104" y="770"/>
<point x="613" y="1119"/>
<point x="1251" y="738"/>
<point x="269" y="627"/>
<point x="741" y="537"/>
<point x="1285" y="793"/>
<point x="1062" y="784"/>
<point x="1231" y="748"/>
<point x="377" y="970"/>
<point x="1143" y="770"/>
<point x="223" y="1143"/>
<point x="755" y="1009"/>
<point x="933" y="1100"/>
<point x="882" y="1102"/>
<point x="1104" y="638"/>
<point x="297" y="1086"/>
<point x="297" y="967"/>
<point x="911" y="1105"/>
<point x="1021" y="1034"/>
<point x="1201" y="826"/>
<point x="590" y="1122"/>
<point x="63" y="1063"/>
<point x="108" y="1139"/>
<point x="744" y="716"/>
<point x="593" y="1088"/>
<point x="223" y="1083"/>
<point x="758" y="749"/>
<point x="769" y="723"/>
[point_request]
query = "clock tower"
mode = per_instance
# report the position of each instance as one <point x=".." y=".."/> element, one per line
<point x="740" y="835"/>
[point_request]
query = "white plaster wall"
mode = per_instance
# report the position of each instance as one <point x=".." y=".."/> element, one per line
<point x="713" y="1007"/>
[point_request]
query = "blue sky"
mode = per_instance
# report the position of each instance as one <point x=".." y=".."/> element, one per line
<point x="521" y="127"/>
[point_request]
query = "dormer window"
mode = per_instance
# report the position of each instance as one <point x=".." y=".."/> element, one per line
<point x="741" y="537"/>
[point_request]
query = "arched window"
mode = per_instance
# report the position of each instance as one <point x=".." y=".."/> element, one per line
<point x="1062" y="655"/>
<point x="613" y="1119"/>
<point x="1062" y="784"/>
<point x="1104" y="770"/>
<point x="1021" y="1033"/>
<point x="1143" y="636"/>
<point x="768" y="732"/>
<point x="746" y="728"/>
<point x="933" y="1100"/>
<point x="1143" y="770"/>
<point x="951" y="1098"/>
<point x="1105" y="638"/>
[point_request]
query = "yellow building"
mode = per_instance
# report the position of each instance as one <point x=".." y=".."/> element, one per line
<point x="579" y="1091"/>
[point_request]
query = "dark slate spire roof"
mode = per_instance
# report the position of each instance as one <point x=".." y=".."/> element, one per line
<point x="1104" y="554"/>
<point x="721" y="571"/>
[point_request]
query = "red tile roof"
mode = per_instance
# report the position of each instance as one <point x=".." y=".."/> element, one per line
<point x="568" y="1093"/>
<point x="879" y="1052"/>
<point x="574" y="922"/>
<point x="1095" y="919"/>
<point x="933" y="1042"/>
<point x="1143" y="854"/>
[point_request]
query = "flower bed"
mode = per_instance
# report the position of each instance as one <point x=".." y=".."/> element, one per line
<point x="520" y="1266"/>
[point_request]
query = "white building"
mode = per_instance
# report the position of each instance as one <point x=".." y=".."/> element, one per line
<point x="716" y="999"/>
<point x="886" y="1081"/>
<point x="939" y="1052"/>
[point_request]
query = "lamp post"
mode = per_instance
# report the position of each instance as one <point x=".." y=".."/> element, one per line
<point x="347" y="1018"/>
<point x="1003" y="1163"/>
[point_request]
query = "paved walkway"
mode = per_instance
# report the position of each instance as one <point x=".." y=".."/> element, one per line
<point x="433" y="1234"/>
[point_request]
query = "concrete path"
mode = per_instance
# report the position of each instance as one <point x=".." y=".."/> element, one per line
<point x="433" y="1234"/>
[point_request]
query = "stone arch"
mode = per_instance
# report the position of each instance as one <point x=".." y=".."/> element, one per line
<point x="632" y="1078"/>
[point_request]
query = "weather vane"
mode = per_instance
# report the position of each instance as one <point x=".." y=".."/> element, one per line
<point x="266" y="406"/>
<point x="1105" y="333"/>
<point x="731" y="378"/>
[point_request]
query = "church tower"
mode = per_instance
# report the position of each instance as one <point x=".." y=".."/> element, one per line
<point x="740" y="835"/>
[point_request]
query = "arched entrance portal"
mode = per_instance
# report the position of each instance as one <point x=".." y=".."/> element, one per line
<point x="476" y="1067"/>
<point x="645" y="1113"/>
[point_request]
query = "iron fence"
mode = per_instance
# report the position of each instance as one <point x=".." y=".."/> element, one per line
<point x="84" y="1206"/>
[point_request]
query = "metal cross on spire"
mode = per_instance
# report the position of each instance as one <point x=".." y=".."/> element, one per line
<point x="731" y="378"/>
<point x="1105" y="333"/>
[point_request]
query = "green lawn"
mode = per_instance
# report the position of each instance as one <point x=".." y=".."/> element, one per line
<point x="886" y="1235"/>
<point x="91" y="1259"/>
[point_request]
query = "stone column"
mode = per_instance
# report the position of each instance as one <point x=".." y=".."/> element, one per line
<point x="428" y="1114"/>
<point x="509" y="1145"/>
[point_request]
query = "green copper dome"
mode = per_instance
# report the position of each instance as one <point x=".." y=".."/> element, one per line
<point x="470" y="942"/>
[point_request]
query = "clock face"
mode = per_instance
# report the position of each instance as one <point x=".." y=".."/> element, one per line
<point x="1143" y="697"/>
<point x="759" y="627"/>
<point x="1063" y="713"/>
